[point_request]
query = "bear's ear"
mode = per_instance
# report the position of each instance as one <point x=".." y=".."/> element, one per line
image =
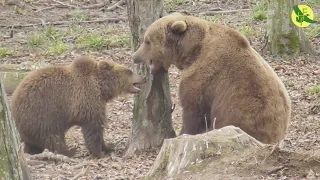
<point x="179" y="27"/>
<point x="104" y="65"/>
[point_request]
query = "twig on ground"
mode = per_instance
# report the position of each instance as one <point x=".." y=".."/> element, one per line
<point x="64" y="4"/>
<point x="211" y="13"/>
<point x="115" y="20"/>
<point x="275" y="170"/>
<point x="46" y="8"/>
<point x="82" y="173"/>
<point x="116" y="5"/>
<point x="276" y="146"/>
<point x="47" y="155"/>
<point x="173" y="107"/>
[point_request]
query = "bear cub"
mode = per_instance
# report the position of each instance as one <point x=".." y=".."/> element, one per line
<point x="51" y="100"/>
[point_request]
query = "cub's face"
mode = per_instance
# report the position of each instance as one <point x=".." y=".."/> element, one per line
<point x="161" y="40"/>
<point x="120" y="77"/>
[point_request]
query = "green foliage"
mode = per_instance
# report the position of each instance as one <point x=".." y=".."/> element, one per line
<point x="57" y="48"/>
<point x="51" y="33"/>
<point x="170" y="4"/>
<point x="92" y="41"/>
<point x="36" y="40"/>
<point x="314" y="3"/>
<point x="214" y="19"/>
<point x="79" y="17"/>
<point x="5" y="52"/>
<point x="313" y="31"/>
<point x="315" y="89"/>
<point x="260" y="11"/>
<point x="246" y="31"/>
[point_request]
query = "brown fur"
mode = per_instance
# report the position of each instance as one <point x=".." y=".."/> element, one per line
<point x="51" y="100"/>
<point x="223" y="77"/>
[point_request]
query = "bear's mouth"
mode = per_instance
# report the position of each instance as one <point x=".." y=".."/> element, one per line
<point x="135" y="88"/>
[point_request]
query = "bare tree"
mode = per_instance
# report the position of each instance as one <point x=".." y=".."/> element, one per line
<point x="12" y="161"/>
<point x="152" y="121"/>
<point x="285" y="38"/>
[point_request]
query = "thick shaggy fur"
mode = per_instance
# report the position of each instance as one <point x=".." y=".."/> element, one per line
<point x="51" y="100"/>
<point x="223" y="77"/>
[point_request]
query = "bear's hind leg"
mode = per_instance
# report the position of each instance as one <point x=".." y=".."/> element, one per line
<point x="32" y="149"/>
<point x="193" y="121"/>
<point x="57" y="144"/>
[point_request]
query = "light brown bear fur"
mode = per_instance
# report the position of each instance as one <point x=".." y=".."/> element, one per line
<point x="222" y="77"/>
<point x="51" y="100"/>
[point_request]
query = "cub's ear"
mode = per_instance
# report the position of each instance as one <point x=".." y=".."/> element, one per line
<point x="179" y="27"/>
<point x="104" y="65"/>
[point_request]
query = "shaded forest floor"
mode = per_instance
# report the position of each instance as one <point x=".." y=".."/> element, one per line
<point x="77" y="31"/>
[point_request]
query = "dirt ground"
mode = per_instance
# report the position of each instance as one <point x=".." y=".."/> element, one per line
<point x="75" y="33"/>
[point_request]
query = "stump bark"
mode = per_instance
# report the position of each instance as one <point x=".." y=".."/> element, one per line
<point x="152" y="122"/>
<point x="12" y="160"/>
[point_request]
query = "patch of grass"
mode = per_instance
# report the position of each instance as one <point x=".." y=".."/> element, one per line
<point x="5" y="52"/>
<point x="169" y="4"/>
<point x="213" y="19"/>
<point x="36" y="40"/>
<point x="246" y="31"/>
<point x="315" y="89"/>
<point x="79" y="17"/>
<point x="51" y="33"/>
<point x="92" y="41"/>
<point x="57" y="48"/>
<point x="314" y="3"/>
<point x="120" y="41"/>
<point x="260" y="11"/>
<point x="313" y="31"/>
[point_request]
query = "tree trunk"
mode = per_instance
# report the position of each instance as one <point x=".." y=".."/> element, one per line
<point x="12" y="161"/>
<point x="285" y="38"/>
<point x="152" y="121"/>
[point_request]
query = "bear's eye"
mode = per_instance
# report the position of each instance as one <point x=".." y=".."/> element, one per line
<point x="147" y="41"/>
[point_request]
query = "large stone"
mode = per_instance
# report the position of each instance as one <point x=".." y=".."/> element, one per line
<point x="12" y="74"/>
<point x="178" y="153"/>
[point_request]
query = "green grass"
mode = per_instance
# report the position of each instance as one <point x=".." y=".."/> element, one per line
<point x="260" y="11"/>
<point x="313" y="31"/>
<point x="57" y="48"/>
<point x="214" y="19"/>
<point x="246" y="31"/>
<point x="315" y="89"/>
<point x="92" y="41"/>
<point x="314" y="3"/>
<point x="169" y="4"/>
<point x="4" y="52"/>
<point x="51" y="33"/>
<point x="36" y="39"/>
<point x="79" y="17"/>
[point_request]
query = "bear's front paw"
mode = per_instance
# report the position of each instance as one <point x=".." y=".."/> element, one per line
<point x="107" y="148"/>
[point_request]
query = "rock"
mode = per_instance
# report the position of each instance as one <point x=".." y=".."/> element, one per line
<point x="12" y="74"/>
<point x="178" y="153"/>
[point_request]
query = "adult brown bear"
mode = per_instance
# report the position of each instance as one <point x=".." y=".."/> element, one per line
<point x="223" y="77"/>
<point x="51" y="100"/>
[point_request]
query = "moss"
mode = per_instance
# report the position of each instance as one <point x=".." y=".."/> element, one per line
<point x="293" y="46"/>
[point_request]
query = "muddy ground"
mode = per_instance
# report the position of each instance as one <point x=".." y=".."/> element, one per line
<point x="25" y="36"/>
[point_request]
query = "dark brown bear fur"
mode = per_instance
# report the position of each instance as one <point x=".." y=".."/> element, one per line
<point x="51" y="100"/>
<point x="223" y="77"/>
